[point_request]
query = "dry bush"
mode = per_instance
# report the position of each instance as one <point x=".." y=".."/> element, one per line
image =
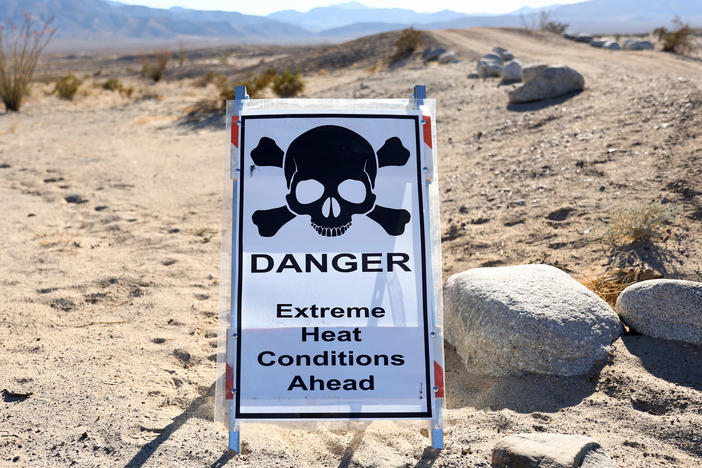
<point x="627" y="269"/>
<point x="113" y="84"/>
<point x="410" y="40"/>
<point x="288" y="84"/>
<point x="549" y="25"/>
<point x="66" y="87"/>
<point x="20" y="48"/>
<point x="211" y="77"/>
<point x="678" y="41"/>
<point x="155" y="67"/>
<point x="641" y="222"/>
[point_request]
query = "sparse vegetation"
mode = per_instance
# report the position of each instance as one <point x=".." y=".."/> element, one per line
<point x="111" y="84"/>
<point x="20" y="48"/>
<point x="639" y="223"/>
<point x="410" y="40"/>
<point x="66" y="87"/>
<point x="678" y="41"/>
<point x="288" y="84"/>
<point x="155" y="67"/>
<point x="608" y="283"/>
<point x="546" y="23"/>
<point x="211" y="77"/>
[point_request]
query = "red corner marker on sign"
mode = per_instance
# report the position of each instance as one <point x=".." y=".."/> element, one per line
<point x="439" y="379"/>
<point x="235" y="130"/>
<point x="427" y="130"/>
<point x="229" y="383"/>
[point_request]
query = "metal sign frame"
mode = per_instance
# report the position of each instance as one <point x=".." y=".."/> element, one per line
<point x="432" y="276"/>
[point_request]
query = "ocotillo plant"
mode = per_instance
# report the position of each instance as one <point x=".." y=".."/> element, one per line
<point x="20" y="48"/>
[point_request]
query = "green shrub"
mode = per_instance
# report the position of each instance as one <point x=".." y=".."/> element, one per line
<point x="210" y="77"/>
<point x="410" y="40"/>
<point x="678" y="41"/>
<point x="641" y="222"/>
<point x="549" y="25"/>
<point x="111" y="84"/>
<point x="288" y="84"/>
<point x="66" y="87"/>
<point x="155" y="67"/>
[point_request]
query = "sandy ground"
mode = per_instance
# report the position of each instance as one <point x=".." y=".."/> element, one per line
<point x="109" y="262"/>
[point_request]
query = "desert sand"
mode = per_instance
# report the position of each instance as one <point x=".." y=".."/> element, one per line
<point x="110" y="252"/>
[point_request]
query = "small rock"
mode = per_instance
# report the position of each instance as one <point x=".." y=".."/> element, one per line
<point x="597" y="43"/>
<point x="512" y="72"/>
<point x="632" y="44"/>
<point x="541" y="450"/>
<point x="526" y="318"/>
<point x="494" y="58"/>
<point x="430" y="54"/>
<point x="504" y="53"/>
<point x="663" y="308"/>
<point x="75" y="199"/>
<point x="611" y="45"/>
<point x="182" y="355"/>
<point x="550" y="83"/>
<point x="490" y="66"/>
<point x="587" y="38"/>
<point x="169" y="261"/>
<point x="447" y="57"/>
<point x="532" y="71"/>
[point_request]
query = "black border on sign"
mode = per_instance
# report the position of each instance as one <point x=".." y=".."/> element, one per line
<point x="427" y="357"/>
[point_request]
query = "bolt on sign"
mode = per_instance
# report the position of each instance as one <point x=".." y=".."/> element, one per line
<point x="331" y="265"/>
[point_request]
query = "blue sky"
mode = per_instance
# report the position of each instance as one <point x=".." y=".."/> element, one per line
<point x="263" y="7"/>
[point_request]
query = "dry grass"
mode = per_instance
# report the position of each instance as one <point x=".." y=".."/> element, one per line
<point x="410" y="40"/>
<point x="678" y="41"/>
<point x="608" y="282"/>
<point x="641" y="222"/>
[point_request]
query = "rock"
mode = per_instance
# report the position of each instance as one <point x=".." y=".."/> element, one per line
<point x="611" y="45"/>
<point x="550" y="83"/>
<point x="587" y="38"/>
<point x="494" y="58"/>
<point x="504" y="53"/>
<point x="526" y="318"/>
<point x="447" y="57"/>
<point x="430" y="54"/>
<point x="632" y="44"/>
<point x="662" y="308"/>
<point x="598" y="44"/>
<point x="532" y="71"/>
<point x="512" y="72"/>
<point x="569" y="35"/>
<point x="487" y="69"/>
<point x="547" y="450"/>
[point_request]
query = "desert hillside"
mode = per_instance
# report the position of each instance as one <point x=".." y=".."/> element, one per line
<point x="110" y="251"/>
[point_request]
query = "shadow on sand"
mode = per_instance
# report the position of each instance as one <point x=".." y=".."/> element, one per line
<point x="538" y="105"/>
<point x="673" y="361"/>
<point x="522" y="394"/>
<point x="197" y="407"/>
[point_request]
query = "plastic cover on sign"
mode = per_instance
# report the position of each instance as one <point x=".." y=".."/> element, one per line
<point x="227" y="326"/>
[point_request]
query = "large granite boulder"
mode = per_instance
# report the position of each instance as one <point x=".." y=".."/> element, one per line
<point x="431" y="55"/>
<point x="490" y="66"/>
<point x="526" y="319"/>
<point x="504" y="53"/>
<point x="550" y="83"/>
<point x="662" y="308"/>
<point x="531" y="71"/>
<point x="512" y="72"/>
<point x="612" y="45"/>
<point x="545" y="450"/>
<point x="448" y="57"/>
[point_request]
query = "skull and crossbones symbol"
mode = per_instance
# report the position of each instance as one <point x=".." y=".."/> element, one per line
<point x="330" y="173"/>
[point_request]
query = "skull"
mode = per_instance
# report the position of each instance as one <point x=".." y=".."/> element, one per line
<point x="330" y="172"/>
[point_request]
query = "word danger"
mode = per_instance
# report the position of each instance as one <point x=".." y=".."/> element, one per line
<point x="343" y="262"/>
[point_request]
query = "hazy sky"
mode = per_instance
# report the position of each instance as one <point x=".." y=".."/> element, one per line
<point x="263" y="7"/>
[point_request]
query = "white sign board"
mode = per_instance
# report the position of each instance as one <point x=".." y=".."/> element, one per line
<point x="333" y="306"/>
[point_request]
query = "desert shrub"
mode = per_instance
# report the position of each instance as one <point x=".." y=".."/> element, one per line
<point x="211" y="77"/>
<point x="641" y="222"/>
<point x="66" y="87"/>
<point x="410" y="40"/>
<point x="626" y="268"/>
<point x="550" y="25"/>
<point x="20" y="48"/>
<point x="678" y="41"/>
<point x="155" y="67"/>
<point x="111" y="84"/>
<point x="288" y="84"/>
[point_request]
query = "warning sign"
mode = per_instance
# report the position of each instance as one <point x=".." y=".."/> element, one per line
<point x="332" y="312"/>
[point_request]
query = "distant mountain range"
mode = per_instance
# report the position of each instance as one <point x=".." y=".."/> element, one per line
<point x="96" y="22"/>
